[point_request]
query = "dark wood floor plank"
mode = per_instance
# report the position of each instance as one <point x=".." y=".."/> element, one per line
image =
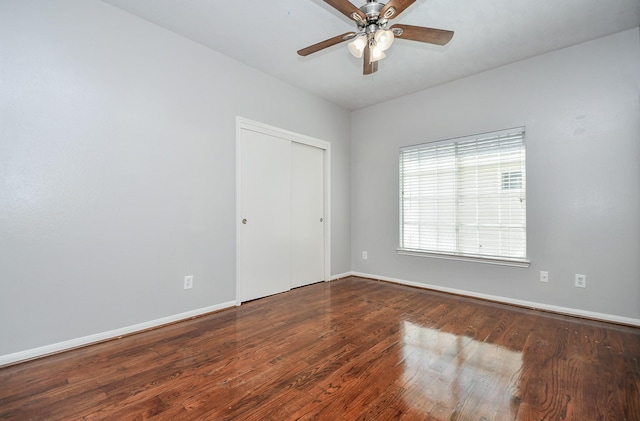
<point x="351" y="349"/>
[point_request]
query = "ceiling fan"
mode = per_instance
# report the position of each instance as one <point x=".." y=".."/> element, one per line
<point x="374" y="35"/>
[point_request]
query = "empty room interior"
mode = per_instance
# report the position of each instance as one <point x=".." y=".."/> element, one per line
<point x="329" y="210"/>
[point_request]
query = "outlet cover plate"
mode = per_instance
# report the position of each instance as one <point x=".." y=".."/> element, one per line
<point x="188" y="282"/>
<point x="581" y="281"/>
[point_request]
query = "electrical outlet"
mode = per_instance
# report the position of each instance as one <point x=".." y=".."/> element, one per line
<point x="188" y="282"/>
<point x="544" y="276"/>
<point x="581" y="281"/>
<point x="364" y="255"/>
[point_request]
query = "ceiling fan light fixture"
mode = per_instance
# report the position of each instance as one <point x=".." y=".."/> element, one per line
<point x="384" y="39"/>
<point x="356" y="47"/>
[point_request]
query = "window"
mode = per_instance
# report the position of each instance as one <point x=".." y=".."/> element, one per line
<point x="465" y="198"/>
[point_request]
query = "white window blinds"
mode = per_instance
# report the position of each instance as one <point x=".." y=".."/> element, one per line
<point x="466" y="196"/>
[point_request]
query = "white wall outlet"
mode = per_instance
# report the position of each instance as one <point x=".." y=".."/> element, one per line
<point x="188" y="282"/>
<point x="364" y="255"/>
<point x="544" y="276"/>
<point x="581" y="281"/>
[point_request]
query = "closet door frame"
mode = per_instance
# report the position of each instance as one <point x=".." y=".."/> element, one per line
<point x="246" y="124"/>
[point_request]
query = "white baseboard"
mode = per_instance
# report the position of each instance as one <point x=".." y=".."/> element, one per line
<point x="103" y="336"/>
<point x="522" y="303"/>
<point x="340" y="276"/>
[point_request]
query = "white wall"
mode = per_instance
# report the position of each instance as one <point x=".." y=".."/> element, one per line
<point x="581" y="111"/>
<point x="117" y="169"/>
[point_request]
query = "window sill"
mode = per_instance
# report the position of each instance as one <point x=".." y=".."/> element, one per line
<point x="523" y="263"/>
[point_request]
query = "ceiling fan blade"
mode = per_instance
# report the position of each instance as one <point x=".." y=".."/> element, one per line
<point x="398" y="5"/>
<point x="368" y="67"/>
<point x="422" y="34"/>
<point x="346" y="8"/>
<point x="324" y="44"/>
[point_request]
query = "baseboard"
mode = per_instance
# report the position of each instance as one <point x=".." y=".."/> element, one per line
<point x="340" y="276"/>
<point x="104" y="336"/>
<point x="521" y="303"/>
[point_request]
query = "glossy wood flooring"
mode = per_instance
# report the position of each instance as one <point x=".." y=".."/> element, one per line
<point x="352" y="349"/>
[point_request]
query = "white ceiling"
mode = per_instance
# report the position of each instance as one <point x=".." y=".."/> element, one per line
<point x="488" y="34"/>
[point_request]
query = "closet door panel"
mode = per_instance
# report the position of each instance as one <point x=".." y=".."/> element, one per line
<point x="265" y="201"/>
<point x="307" y="218"/>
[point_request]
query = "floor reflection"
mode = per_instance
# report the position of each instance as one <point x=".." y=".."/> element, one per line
<point x="447" y="374"/>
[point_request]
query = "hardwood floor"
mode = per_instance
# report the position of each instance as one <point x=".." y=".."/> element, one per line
<point x="351" y="349"/>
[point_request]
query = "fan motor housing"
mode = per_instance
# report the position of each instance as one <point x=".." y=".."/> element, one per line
<point x="372" y="10"/>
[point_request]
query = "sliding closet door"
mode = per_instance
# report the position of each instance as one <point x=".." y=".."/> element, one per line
<point x="307" y="215"/>
<point x="265" y="230"/>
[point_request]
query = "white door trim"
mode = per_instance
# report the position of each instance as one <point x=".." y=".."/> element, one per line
<point x="246" y="124"/>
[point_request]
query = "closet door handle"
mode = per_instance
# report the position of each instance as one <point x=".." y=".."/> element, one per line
<point x="321" y="219"/>
<point x="244" y="221"/>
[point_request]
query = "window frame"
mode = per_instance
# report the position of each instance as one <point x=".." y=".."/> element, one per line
<point x="457" y="254"/>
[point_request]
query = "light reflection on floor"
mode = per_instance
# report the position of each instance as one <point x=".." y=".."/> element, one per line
<point x="452" y="374"/>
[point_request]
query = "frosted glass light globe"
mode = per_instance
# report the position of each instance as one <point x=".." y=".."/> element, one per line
<point x="356" y="47"/>
<point x="384" y="39"/>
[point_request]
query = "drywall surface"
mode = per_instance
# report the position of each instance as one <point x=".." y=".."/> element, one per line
<point x="117" y="169"/>
<point x="581" y="112"/>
